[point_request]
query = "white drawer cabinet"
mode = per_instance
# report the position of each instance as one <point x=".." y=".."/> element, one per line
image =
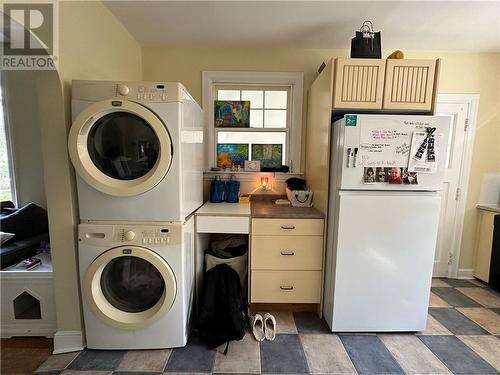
<point x="286" y="260"/>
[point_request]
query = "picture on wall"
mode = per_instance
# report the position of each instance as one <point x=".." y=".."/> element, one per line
<point x="270" y="155"/>
<point x="232" y="114"/>
<point x="231" y="154"/>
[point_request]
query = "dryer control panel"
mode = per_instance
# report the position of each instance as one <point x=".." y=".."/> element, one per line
<point x="133" y="234"/>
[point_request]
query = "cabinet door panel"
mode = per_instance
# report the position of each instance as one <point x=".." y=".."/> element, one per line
<point x="359" y="83"/>
<point x="409" y="84"/>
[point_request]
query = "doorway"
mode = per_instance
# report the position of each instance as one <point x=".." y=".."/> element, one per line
<point x="462" y="110"/>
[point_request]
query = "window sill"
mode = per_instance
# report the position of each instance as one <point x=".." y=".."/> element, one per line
<point x="250" y="176"/>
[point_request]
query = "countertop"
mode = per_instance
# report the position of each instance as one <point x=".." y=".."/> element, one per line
<point x="489" y="207"/>
<point x="267" y="209"/>
<point x="224" y="209"/>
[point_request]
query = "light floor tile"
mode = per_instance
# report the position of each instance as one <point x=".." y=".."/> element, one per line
<point x="435" y="301"/>
<point x="482" y="296"/>
<point x="434" y="327"/>
<point x="413" y="356"/>
<point x="487" y="319"/>
<point x="144" y="360"/>
<point x="439" y="283"/>
<point x="242" y="356"/>
<point x="284" y="322"/>
<point x="325" y="354"/>
<point x="487" y="347"/>
<point x="57" y="362"/>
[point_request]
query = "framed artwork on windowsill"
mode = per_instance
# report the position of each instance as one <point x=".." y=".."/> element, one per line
<point x="232" y="114"/>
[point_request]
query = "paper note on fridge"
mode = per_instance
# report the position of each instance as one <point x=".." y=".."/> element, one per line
<point x="384" y="145"/>
<point x="422" y="149"/>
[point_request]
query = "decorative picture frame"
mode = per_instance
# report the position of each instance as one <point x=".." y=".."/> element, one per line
<point x="232" y="114"/>
<point x="252" y="165"/>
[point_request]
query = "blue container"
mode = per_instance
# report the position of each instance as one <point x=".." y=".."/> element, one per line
<point x="232" y="191"/>
<point x="217" y="190"/>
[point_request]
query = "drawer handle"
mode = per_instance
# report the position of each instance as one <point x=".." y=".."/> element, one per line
<point x="288" y="227"/>
<point x="284" y="287"/>
<point x="287" y="253"/>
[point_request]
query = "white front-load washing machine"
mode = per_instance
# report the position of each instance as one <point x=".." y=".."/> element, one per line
<point x="137" y="148"/>
<point x="137" y="284"/>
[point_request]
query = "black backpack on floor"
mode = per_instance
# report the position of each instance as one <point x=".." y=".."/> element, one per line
<point x="222" y="314"/>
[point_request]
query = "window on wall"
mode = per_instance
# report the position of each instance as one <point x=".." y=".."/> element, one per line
<point x="275" y="118"/>
<point x="267" y="136"/>
<point x="7" y="190"/>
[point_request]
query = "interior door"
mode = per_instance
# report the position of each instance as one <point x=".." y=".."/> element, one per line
<point x="447" y="238"/>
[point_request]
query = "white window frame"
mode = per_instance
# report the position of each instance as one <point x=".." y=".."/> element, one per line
<point x="8" y="139"/>
<point x="294" y="80"/>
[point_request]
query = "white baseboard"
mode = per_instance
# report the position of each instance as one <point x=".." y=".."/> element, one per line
<point x="68" y="341"/>
<point x="465" y="273"/>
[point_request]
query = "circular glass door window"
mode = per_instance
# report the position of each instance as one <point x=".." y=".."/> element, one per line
<point x="123" y="145"/>
<point x="132" y="284"/>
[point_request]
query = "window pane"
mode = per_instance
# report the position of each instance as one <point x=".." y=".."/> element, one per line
<point x="249" y="138"/>
<point x="256" y="118"/>
<point x="228" y="94"/>
<point x="6" y="194"/>
<point x="276" y="99"/>
<point x="256" y="98"/>
<point x="275" y="118"/>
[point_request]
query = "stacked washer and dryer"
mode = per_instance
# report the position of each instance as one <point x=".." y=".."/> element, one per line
<point x="137" y="148"/>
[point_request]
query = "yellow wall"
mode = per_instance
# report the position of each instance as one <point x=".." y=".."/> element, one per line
<point x="93" y="45"/>
<point x="460" y="73"/>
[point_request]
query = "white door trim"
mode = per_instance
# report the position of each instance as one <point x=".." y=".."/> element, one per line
<point x="473" y="103"/>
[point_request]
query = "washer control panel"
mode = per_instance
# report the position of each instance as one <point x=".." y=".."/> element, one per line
<point x="149" y="235"/>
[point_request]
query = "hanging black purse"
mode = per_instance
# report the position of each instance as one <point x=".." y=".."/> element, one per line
<point x="366" y="43"/>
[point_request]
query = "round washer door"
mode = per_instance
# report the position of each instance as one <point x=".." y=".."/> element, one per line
<point x="129" y="287"/>
<point x="120" y="148"/>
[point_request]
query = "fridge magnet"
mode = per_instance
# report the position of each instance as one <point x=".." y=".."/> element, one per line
<point x="269" y="155"/>
<point x="409" y="178"/>
<point x="424" y="152"/>
<point x="231" y="155"/>
<point x="369" y="176"/>
<point x="380" y="174"/>
<point x="232" y="114"/>
<point x="394" y="175"/>
<point x="252" y="165"/>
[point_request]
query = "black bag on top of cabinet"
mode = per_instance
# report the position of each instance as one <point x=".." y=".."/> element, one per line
<point x="222" y="315"/>
<point x="366" y="43"/>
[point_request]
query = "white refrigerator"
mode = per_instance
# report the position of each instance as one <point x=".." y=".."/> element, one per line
<point x="384" y="207"/>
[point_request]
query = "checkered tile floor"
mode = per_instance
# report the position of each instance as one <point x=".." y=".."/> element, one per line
<point x="462" y="337"/>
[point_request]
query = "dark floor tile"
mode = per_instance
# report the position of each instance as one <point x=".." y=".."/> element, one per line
<point x="454" y="297"/>
<point x="283" y="355"/>
<point x="53" y="372"/>
<point x="459" y="283"/>
<point x="369" y="355"/>
<point x="497" y="311"/>
<point x="135" y="373"/>
<point x="459" y="358"/>
<point x="456" y="322"/>
<point x="194" y="357"/>
<point x="309" y="322"/>
<point x="97" y="360"/>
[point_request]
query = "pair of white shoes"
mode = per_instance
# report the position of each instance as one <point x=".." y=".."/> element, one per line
<point x="264" y="328"/>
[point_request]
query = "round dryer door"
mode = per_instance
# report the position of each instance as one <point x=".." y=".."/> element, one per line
<point x="120" y="147"/>
<point x="129" y="287"/>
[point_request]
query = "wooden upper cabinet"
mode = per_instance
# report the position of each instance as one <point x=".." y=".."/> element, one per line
<point x="359" y="83"/>
<point x="410" y="84"/>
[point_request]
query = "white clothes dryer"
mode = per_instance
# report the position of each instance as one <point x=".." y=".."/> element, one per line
<point x="137" y="148"/>
<point x="137" y="284"/>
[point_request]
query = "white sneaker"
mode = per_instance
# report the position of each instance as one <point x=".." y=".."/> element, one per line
<point x="258" y="327"/>
<point x="269" y="327"/>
